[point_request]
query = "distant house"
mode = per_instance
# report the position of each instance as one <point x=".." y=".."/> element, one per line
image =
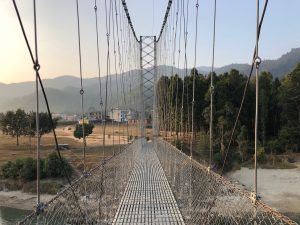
<point x="96" y="116"/>
<point x="85" y="121"/>
<point x="133" y="117"/>
<point x="123" y="115"/>
<point x="65" y="117"/>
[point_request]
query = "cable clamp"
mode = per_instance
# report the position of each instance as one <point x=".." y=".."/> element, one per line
<point x="40" y="208"/>
<point x="86" y="174"/>
<point x="208" y="169"/>
<point x="212" y="89"/>
<point x="253" y="198"/>
<point x="257" y="62"/>
<point x="81" y="91"/>
<point x="36" y="66"/>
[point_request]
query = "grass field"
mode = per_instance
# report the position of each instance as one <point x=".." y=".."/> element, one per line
<point x="116" y="137"/>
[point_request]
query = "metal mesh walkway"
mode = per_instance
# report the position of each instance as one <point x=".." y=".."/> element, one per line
<point x="148" y="198"/>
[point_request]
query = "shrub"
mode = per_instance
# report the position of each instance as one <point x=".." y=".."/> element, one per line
<point x="55" y="168"/>
<point x="8" y="170"/>
<point x="88" y="129"/>
<point x="25" y="169"/>
<point x="28" y="171"/>
<point x="218" y="159"/>
<point x="261" y="155"/>
<point x="274" y="146"/>
<point x="177" y="144"/>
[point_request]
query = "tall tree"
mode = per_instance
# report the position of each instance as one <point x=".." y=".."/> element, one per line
<point x="14" y="123"/>
<point x="45" y="125"/>
<point x="290" y="117"/>
<point x="88" y="129"/>
<point x="242" y="140"/>
<point x="265" y="83"/>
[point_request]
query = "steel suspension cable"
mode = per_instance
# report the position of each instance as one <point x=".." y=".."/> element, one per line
<point x="178" y="62"/>
<point x="254" y="61"/>
<point x="116" y="70"/>
<point x="81" y="86"/>
<point x="36" y="68"/>
<point x="257" y="64"/>
<point x="194" y="79"/>
<point x="99" y="67"/>
<point x="212" y="88"/>
<point x="170" y="90"/>
<point x="173" y="66"/>
<point x="185" y="22"/>
<point x="107" y="22"/>
<point x="245" y="88"/>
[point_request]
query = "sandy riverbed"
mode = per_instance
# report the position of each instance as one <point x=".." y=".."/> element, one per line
<point x="20" y="200"/>
<point x="280" y="188"/>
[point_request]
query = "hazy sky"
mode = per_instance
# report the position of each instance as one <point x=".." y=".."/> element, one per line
<point x="58" y="40"/>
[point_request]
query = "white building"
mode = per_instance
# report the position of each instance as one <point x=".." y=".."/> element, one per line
<point x="122" y="115"/>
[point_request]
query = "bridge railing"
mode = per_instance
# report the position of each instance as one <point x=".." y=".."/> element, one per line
<point x="205" y="197"/>
<point x="93" y="198"/>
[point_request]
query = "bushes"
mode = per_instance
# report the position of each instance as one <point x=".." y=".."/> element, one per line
<point x="54" y="167"/>
<point x="28" y="171"/>
<point x="25" y="169"/>
<point x="261" y="155"/>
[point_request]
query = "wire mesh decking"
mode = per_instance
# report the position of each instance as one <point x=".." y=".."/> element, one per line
<point x="148" y="198"/>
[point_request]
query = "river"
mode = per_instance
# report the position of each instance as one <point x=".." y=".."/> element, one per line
<point x="9" y="216"/>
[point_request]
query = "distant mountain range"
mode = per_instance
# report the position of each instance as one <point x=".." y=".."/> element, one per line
<point x="63" y="91"/>
<point x="278" y="67"/>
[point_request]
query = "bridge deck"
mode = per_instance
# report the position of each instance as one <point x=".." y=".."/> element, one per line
<point x="148" y="198"/>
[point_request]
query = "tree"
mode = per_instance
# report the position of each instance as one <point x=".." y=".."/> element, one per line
<point x="242" y="140"/>
<point x="30" y="131"/>
<point x="290" y="116"/>
<point x="88" y="129"/>
<point x="45" y="125"/>
<point x="14" y="123"/>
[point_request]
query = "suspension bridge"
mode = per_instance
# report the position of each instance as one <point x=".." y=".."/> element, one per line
<point x="149" y="181"/>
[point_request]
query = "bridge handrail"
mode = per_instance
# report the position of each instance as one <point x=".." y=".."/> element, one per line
<point x="98" y="168"/>
<point x="231" y="185"/>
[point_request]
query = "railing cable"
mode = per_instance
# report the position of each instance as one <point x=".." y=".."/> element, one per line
<point x="194" y="80"/>
<point x="212" y="88"/>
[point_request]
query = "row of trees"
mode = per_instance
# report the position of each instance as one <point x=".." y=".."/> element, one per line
<point x="279" y="109"/>
<point x="19" y="123"/>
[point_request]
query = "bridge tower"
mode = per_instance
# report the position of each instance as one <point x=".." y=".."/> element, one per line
<point x="148" y="79"/>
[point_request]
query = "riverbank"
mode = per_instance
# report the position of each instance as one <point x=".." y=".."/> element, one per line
<point x="21" y="200"/>
<point x="279" y="188"/>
